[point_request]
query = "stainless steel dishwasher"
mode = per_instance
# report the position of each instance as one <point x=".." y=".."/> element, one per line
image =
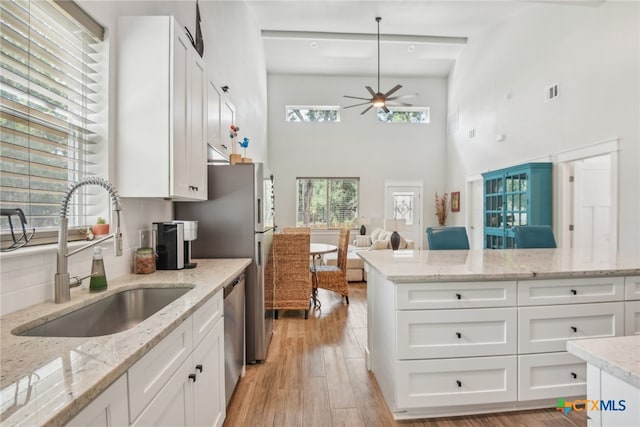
<point x="234" y="352"/>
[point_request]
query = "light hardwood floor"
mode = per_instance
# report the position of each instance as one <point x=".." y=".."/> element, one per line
<point x="315" y="375"/>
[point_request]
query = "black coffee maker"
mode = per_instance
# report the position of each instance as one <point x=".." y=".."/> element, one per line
<point x="169" y="237"/>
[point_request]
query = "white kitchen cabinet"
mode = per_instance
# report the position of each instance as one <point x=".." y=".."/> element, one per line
<point x="209" y="404"/>
<point x="215" y="137"/>
<point x="549" y="375"/>
<point x="108" y="410"/>
<point x="180" y="382"/>
<point x="162" y="111"/>
<point x="618" y="400"/>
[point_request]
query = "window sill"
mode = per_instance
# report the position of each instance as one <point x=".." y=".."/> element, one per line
<point x="39" y="250"/>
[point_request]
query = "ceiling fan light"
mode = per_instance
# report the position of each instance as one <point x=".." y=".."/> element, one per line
<point x="378" y="101"/>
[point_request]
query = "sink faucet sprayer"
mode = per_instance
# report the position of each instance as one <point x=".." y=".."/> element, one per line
<point x="63" y="283"/>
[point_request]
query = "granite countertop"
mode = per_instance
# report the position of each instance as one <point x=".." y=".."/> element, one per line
<point x="494" y="264"/>
<point x="46" y="381"/>
<point x="619" y="356"/>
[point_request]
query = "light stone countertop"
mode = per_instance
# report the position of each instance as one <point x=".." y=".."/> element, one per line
<point x="619" y="356"/>
<point x="491" y="264"/>
<point x="46" y="381"/>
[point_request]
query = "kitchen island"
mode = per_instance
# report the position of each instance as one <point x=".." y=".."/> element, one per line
<point x="49" y="381"/>
<point x="476" y="331"/>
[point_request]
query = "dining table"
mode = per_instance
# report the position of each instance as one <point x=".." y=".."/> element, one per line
<point x="317" y="250"/>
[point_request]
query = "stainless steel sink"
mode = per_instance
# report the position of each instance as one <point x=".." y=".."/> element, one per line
<point x="115" y="313"/>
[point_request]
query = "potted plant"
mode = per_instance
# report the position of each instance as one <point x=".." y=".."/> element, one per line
<point x="101" y="227"/>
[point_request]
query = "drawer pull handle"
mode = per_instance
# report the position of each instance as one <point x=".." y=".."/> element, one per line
<point x="459" y="383"/>
<point x="459" y="335"/>
<point x="574" y="375"/>
<point x="574" y="292"/>
<point x="192" y="377"/>
<point x="199" y="368"/>
<point x="458" y="296"/>
<point x="574" y="329"/>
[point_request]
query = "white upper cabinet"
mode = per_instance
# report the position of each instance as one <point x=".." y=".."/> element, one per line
<point x="162" y="111"/>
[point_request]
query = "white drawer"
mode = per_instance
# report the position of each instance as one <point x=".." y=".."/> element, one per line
<point x="147" y="377"/>
<point x="207" y="316"/>
<point x="447" y="382"/>
<point x="632" y="318"/>
<point x="570" y="291"/>
<point x="456" y="333"/>
<point x="632" y="288"/>
<point x="546" y="329"/>
<point x="542" y="376"/>
<point x="416" y="296"/>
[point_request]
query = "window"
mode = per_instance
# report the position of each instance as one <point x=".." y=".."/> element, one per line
<point x="48" y="89"/>
<point x="313" y="113"/>
<point x="324" y="203"/>
<point x="405" y="115"/>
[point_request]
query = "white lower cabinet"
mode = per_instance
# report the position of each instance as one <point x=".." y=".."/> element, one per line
<point x="632" y="318"/>
<point x="209" y="388"/>
<point x="618" y="401"/>
<point x="551" y="375"/>
<point x="108" y="410"/>
<point x="451" y="382"/>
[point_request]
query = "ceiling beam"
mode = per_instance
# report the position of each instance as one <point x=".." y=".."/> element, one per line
<point x="394" y="38"/>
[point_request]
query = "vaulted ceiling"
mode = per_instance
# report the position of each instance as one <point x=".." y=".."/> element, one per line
<point x="418" y="38"/>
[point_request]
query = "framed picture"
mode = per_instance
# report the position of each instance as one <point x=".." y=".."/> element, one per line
<point x="455" y="201"/>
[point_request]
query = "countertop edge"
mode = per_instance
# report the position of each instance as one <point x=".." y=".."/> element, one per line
<point x="581" y="348"/>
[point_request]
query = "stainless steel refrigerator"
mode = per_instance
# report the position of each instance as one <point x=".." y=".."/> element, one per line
<point x="237" y="222"/>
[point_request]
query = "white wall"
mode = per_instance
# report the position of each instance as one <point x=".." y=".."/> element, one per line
<point x="357" y="146"/>
<point x="233" y="53"/>
<point x="497" y="88"/>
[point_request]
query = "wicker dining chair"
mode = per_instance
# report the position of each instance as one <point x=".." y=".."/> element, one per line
<point x="296" y="230"/>
<point x="291" y="275"/>
<point x="334" y="277"/>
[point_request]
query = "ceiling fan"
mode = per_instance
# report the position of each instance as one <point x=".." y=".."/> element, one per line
<point x="379" y="99"/>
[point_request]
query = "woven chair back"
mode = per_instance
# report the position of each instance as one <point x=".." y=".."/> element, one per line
<point x="288" y="230"/>
<point x="343" y="248"/>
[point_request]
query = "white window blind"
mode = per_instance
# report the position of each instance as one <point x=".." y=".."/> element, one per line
<point x="327" y="202"/>
<point x="49" y="83"/>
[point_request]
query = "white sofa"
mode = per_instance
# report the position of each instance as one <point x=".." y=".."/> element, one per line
<point x="378" y="239"/>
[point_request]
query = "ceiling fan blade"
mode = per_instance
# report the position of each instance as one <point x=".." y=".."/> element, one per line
<point x="395" y="89"/>
<point x="385" y="109"/>
<point x="357" y="105"/>
<point x="404" y="104"/>
<point x="367" y="109"/>
<point x="409" y="95"/>
<point x="356" y="97"/>
<point x="373" y="94"/>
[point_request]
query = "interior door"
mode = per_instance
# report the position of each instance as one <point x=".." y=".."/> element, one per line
<point x="592" y="208"/>
<point x="405" y="202"/>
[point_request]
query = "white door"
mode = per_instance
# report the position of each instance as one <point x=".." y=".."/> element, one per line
<point x="592" y="208"/>
<point x="475" y="213"/>
<point x="404" y="201"/>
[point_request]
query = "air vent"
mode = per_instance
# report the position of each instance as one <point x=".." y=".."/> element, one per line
<point x="551" y="92"/>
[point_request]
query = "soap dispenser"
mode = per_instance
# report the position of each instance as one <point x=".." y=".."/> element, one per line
<point x="98" y="277"/>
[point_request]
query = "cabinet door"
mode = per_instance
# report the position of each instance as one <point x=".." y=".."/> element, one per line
<point x="632" y="318"/>
<point x="173" y="405"/>
<point x="197" y="147"/>
<point x="110" y="409"/>
<point x="208" y="363"/>
<point x="227" y="118"/>
<point x="178" y="177"/>
<point x="215" y="137"/>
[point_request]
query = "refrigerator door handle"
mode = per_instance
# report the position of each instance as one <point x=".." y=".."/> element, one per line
<point x="259" y="211"/>
<point x="259" y="253"/>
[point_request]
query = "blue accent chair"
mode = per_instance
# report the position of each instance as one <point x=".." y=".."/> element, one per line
<point x="534" y="236"/>
<point x="447" y="238"/>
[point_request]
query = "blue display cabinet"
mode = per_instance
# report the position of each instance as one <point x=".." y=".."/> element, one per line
<point x="518" y="195"/>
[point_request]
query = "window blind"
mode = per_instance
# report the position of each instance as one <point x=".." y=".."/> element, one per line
<point x="327" y="202"/>
<point x="49" y="83"/>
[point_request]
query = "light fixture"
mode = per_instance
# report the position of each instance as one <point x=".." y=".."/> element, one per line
<point x="378" y="101"/>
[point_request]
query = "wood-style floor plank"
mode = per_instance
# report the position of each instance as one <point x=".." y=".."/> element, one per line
<point x="315" y="376"/>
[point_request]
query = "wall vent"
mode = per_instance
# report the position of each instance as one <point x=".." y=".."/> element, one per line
<point x="551" y="92"/>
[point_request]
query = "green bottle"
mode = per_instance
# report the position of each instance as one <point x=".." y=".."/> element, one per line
<point x="98" y="277"/>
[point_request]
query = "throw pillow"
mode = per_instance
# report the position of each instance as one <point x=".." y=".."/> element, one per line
<point x="362" y="241"/>
<point x="380" y="244"/>
<point x="403" y="243"/>
<point x="375" y="233"/>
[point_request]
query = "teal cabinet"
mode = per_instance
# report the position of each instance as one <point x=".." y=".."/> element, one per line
<point x="518" y="195"/>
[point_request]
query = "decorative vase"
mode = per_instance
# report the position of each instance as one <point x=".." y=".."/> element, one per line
<point x="363" y="230"/>
<point x="395" y="240"/>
